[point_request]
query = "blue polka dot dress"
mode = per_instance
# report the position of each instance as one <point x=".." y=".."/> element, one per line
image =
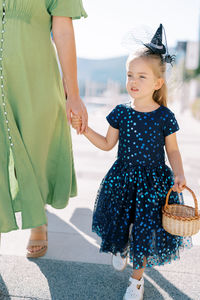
<point x="127" y="213"/>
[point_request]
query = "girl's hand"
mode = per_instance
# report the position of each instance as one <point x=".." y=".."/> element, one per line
<point x="77" y="107"/>
<point x="76" y="122"/>
<point x="179" y="183"/>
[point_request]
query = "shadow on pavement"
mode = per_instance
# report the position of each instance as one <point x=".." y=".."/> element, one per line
<point x="83" y="281"/>
<point x="151" y="292"/>
<point x="71" y="280"/>
<point x="164" y="284"/>
<point x="4" y="295"/>
<point x="68" y="280"/>
<point x="78" y="248"/>
<point x="88" y="281"/>
<point x="87" y="226"/>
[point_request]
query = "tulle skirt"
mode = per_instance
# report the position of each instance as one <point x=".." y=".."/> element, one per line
<point x="127" y="214"/>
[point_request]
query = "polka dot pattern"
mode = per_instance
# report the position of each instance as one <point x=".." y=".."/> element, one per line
<point x="127" y="213"/>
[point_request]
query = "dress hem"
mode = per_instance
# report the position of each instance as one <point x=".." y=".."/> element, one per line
<point x="8" y="230"/>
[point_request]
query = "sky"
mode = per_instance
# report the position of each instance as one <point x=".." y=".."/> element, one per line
<point x="101" y="34"/>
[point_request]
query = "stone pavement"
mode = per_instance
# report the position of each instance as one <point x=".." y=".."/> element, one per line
<point x="73" y="269"/>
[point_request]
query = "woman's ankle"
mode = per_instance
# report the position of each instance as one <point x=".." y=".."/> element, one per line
<point x="40" y="227"/>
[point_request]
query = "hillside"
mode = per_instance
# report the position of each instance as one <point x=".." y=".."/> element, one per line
<point x="102" y="70"/>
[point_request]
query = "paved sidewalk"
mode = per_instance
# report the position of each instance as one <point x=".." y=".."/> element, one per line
<point x="44" y="279"/>
<point x="73" y="269"/>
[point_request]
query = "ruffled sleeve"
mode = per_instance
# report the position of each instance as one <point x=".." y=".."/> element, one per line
<point x="67" y="8"/>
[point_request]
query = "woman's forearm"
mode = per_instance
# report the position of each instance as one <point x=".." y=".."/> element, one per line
<point x="176" y="162"/>
<point x="63" y="34"/>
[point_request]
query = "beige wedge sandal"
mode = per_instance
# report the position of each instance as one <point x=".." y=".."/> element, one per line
<point x="38" y="243"/>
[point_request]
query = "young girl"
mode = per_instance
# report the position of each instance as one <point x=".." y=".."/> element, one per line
<point x="135" y="188"/>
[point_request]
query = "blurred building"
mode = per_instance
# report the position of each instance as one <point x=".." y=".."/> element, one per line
<point x="188" y="72"/>
<point x="192" y="56"/>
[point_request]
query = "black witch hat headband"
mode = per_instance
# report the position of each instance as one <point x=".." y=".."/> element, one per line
<point x="156" y="46"/>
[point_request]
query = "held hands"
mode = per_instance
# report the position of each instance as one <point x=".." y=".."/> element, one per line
<point x="76" y="107"/>
<point x="179" y="183"/>
<point x="76" y="122"/>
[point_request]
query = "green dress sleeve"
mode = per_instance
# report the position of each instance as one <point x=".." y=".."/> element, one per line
<point x="67" y="8"/>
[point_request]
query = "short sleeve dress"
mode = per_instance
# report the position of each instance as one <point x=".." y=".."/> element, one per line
<point x="135" y="188"/>
<point x="35" y="144"/>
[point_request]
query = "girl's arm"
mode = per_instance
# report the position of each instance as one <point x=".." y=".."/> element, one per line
<point x="105" y="143"/>
<point x="63" y="35"/>
<point x="175" y="160"/>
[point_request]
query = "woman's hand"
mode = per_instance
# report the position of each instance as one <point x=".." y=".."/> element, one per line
<point x="76" y="122"/>
<point x="77" y="107"/>
<point x="179" y="183"/>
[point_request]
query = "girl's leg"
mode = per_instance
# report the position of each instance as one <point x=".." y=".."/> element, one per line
<point x="137" y="274"/>
<point x="135" y="289"/>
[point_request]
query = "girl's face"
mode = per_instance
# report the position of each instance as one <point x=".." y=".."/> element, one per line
<point x="141" y="81"/>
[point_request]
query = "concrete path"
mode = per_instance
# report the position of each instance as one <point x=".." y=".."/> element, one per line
<point x="44" y="279"/>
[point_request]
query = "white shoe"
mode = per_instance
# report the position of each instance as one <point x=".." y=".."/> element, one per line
<point x="135" y="291"/>
<point x="119" y="263"/>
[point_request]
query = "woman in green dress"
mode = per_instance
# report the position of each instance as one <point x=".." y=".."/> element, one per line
<point x="36" y="152"/>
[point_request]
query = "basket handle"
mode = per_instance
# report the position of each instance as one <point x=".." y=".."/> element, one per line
<point x="194" y="197"/>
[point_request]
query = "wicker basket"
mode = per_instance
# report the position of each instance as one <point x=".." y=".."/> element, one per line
<point x="180" y="219"/>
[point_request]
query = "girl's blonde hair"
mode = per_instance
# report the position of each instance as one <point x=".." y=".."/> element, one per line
<point x="159" y="69"/>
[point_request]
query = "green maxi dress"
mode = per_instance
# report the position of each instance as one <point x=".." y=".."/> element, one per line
<point x="36" y="158"/>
